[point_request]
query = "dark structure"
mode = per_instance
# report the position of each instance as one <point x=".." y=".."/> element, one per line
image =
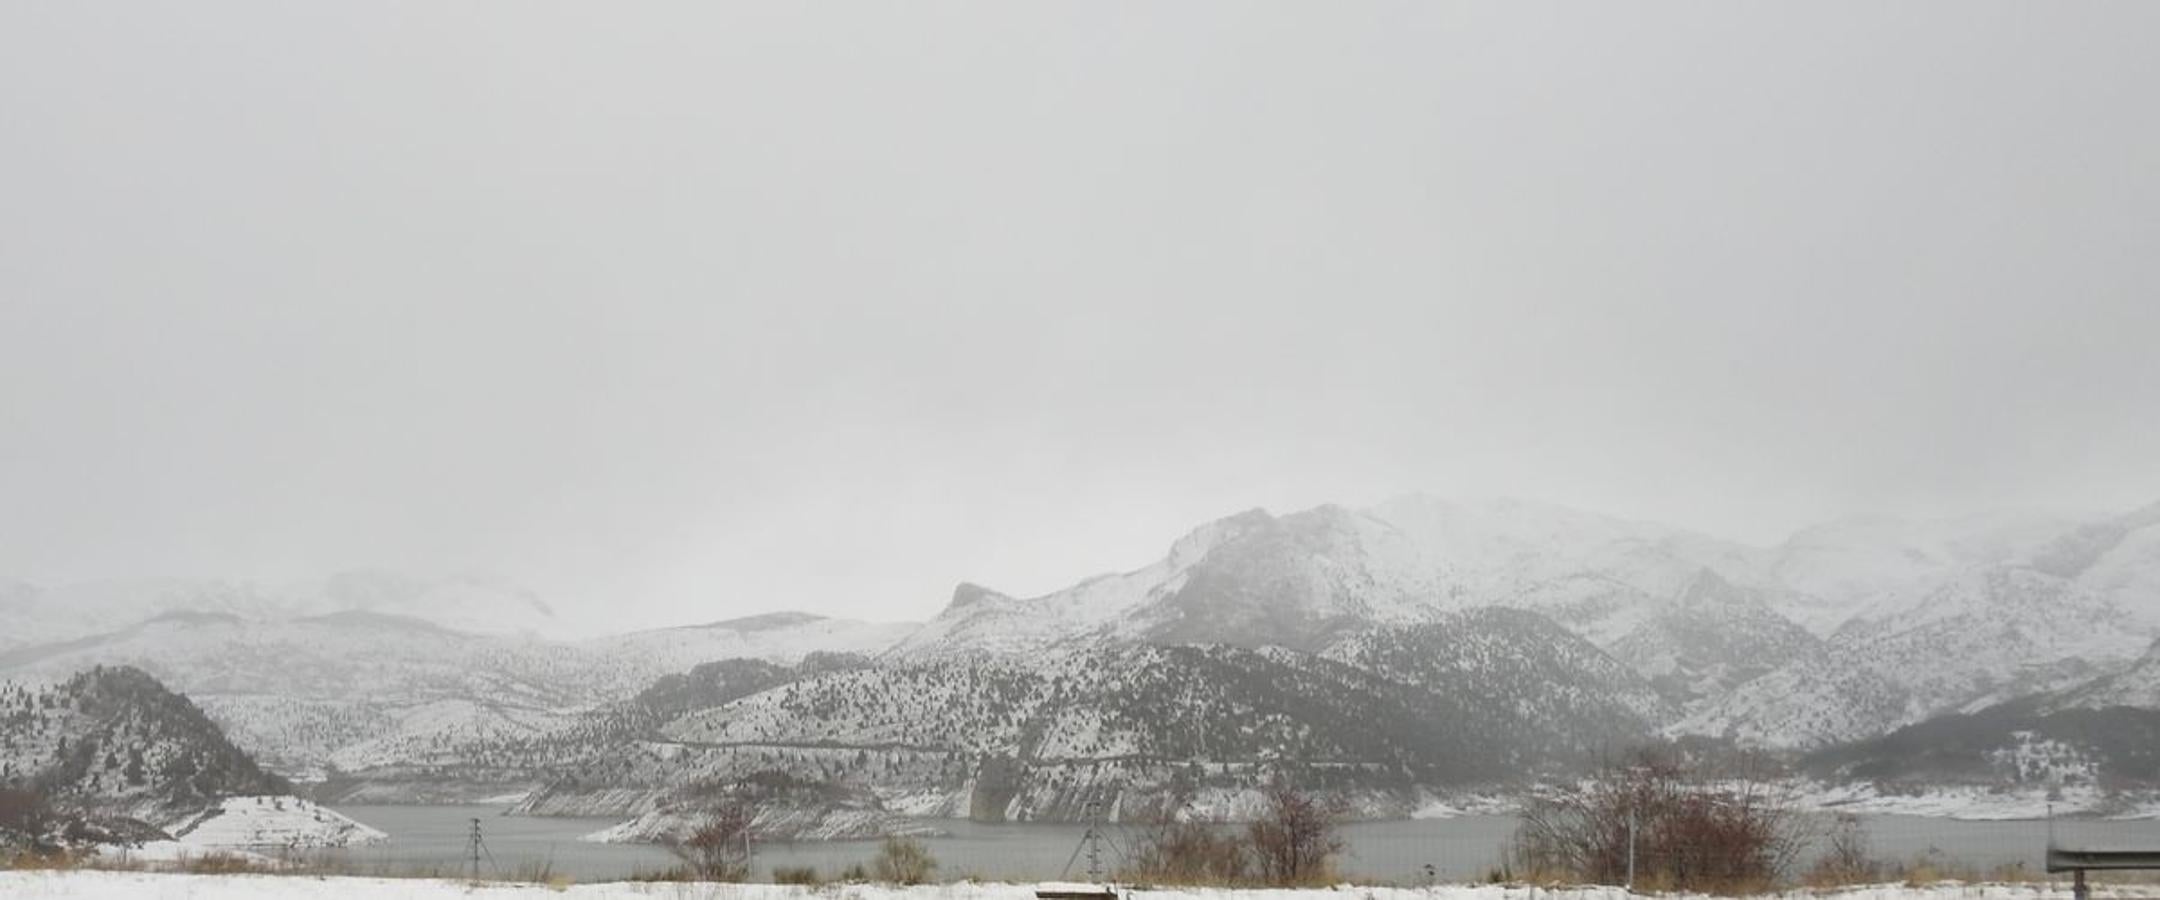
<point x="1064" y="891"/>
<point x="2079" y="861"/>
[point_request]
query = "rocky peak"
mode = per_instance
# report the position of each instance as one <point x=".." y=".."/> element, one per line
<point x="968" y="594"/>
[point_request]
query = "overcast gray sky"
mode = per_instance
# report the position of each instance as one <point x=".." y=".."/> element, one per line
<point x="684" y="311"/>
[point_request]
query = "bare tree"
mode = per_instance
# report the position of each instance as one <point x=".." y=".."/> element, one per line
<point x="1669" y="822"/>
<point x="718" y="848"/>
<point x="1295" y="839"/>
<point x="1847" y="857"/>
<point x="26" y="822"/>
<point x="1173" y="849"/>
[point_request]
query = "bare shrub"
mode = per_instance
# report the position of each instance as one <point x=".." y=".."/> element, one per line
<point x="718" y="849"/>
<point x="796" y="875"/>
<point x="1847" y="857"/>
<point x="222" y="863"/>
<point x="904" y="860"/>
<point x="1170" y="851"/>
<point x="1690" y="828"/>
<point x="535" y="871"/>
<point x="27" y="823"/>
<point x="1294" y="841"/>
<point x="669" y="874"/>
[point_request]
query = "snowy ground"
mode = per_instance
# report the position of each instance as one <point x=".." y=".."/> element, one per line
<point x="144" y="886"/>
<point x="1467" y="805"/>
<point x="275" y="822"/>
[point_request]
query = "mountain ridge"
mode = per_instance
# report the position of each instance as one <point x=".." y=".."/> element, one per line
<point x="1844" y="632"/>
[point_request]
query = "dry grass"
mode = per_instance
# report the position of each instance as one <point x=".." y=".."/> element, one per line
<point x="215" y="863"/>
<point x="796" y="875"/>
<point x="30" y="862"/>
<point x="289" y="862"/>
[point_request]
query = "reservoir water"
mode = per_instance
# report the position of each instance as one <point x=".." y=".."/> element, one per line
<point x="1459" y="849"/>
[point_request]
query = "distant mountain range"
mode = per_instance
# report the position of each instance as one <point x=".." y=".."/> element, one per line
<point x="1845" y="631"/>
<point x="1421" y="645"/>
<point x="47" y="614"/>
<point x="419" y="706"/>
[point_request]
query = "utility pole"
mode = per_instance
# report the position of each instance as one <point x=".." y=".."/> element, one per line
<point x="1631" y="848"/>
<point x="1094" y="843"/>
<point x="1094" y="855"/>
<point x="1090" y="843"/>
<point x="472" y="849"/>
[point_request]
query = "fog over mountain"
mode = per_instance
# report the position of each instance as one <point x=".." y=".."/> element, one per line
<point x="1418" y="652"/>
<point x="678" y="314"/>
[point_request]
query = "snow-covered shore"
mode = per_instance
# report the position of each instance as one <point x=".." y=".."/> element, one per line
<point x="280" y="822"/>
<point x="660" y="827"/>
<point x="1982" y="804"/>
<point x="87" y="885"/>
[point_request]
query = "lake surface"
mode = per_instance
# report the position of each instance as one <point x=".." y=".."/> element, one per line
<point x="1458" y="849"/>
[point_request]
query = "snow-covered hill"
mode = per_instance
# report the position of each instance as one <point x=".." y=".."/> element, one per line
<point x="1583" y="623"/>
<point x="1979" y="639"/>
<point x="393" y="698"/>
<point x="1842" y="632"/>
<point x="44" y="614"/>
<point x="115" y="742"/>
<point x="283" y="822"/>
<point x="1873" y="565"/>
<point x="2136" y="685"/>
<point x="1296" y="580"/>
<point x="2028" y="752"/>
<point x="1392" y="713"/>
<point x="1711" y="637"/>
<point x="2054" y="610"/>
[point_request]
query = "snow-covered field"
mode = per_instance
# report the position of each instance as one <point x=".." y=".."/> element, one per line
<point x="144" y="886"/>
<point x="238" y="825"/>
<point x="285" y="822"/>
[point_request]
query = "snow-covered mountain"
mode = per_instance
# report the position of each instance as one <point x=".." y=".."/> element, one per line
<point x="1256" y="579"/>
<point x="1981" y="638"/>
<point x="1425" y="616"/>
<point x="2136" y="685"/>
<point x="113" y="741"/>
<point x="2092" y="747"/>
<point x="1389" y="711"/>
<point x="51" y="613"/>
<point x="419" y="709"/>
<point x="2056" y="611"/>
<point x="1844" y="631"/>
<point x="1873" y="565"/>
<point x="1709" y="638"/>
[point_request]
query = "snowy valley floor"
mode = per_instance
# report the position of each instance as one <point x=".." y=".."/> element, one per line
<point x="94" y="885"/>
